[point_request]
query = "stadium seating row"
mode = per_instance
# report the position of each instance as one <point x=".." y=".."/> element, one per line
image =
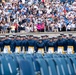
<point x="37" y="64"/>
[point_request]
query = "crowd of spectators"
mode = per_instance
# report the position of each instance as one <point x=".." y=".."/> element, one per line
<point x="35" y="16"/>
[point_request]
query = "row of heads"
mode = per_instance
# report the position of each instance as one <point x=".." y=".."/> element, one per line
<point x="37" y="37"/>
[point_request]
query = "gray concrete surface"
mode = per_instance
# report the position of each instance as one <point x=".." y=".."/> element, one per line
<point x="50" y="34"/>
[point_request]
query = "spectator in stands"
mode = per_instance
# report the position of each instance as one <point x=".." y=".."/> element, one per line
<point x="63" y="28"/>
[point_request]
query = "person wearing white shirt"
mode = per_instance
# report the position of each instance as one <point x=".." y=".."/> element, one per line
<point x="48" y="10"/>
<point x="73" y="26"/>
<point x="68" y="27"/>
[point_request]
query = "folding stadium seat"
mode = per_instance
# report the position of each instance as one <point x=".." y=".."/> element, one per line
<point x="30" y="59"/>
<point x="18" y="58"/>
<point x="37" y="68"/>
<point x="64" y="66"/>
<point x="43" y="67"/>
<point x="58" y="66"/>
<point x="61" y="69"/>
<point x="15" y="60"/>
<point x="70" y="67"/>
<point x="13" y="67"/>
<point x="73" y="61"/>
<point x="26" y="68"/>
<point x="51" y="66"/>
<point x="35" y="63"/>
<point x="5" y="67"/>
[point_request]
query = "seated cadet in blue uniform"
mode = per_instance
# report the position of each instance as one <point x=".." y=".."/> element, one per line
<point x="60" y="43"/>
<point x="45" y="39"/>
<point x="50" y="45"/>
<point x="70" y="42"/>
<point x="31" y="44"/>
<point x="18" y="44"/>
<point x="55" y="43"/>
<point x="12" y="45"/>
<point x="36" y="40"/>
<point x="40" y="46"/>
<point x="1" y="44"/>
<point x="7" y="43"/>
<point x="23" y="43"/>
<point x="64" y="38"/>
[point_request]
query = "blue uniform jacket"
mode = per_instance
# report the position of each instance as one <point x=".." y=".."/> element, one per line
<point x="31" y="42"/>
<point x="71" y="42"/>
<point x="24" y="44"/>
<point x="40" y="45"/>
<point x="12" y="45"/>
<point x="49" y="44"/>
<point x="17" y="43"/>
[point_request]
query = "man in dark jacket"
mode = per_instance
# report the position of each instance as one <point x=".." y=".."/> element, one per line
<point x="70" y="44"/>
<point x="7" y="43"/>
<point x="31" y="44"/>
<point x="18" y="44"/>
<point x="40" y="46"/>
